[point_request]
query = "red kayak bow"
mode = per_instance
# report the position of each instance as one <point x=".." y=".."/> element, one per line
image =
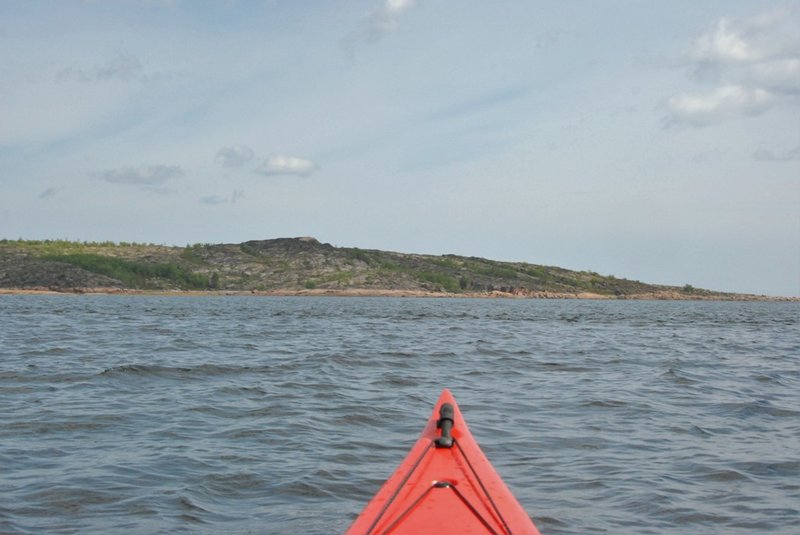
<point x="445" y="485"/>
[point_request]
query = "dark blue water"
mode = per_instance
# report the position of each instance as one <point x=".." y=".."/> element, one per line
<point x="280" y="415"/>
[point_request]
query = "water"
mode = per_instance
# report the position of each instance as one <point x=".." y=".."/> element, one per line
<point x="280" y="415"/>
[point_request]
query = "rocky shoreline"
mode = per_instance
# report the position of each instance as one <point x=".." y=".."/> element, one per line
<point x="355" y="292"/>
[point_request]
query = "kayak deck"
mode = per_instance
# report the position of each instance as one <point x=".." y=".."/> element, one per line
<point x="445" y="485"/>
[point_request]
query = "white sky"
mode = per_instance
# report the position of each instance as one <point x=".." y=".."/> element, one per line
<point x="657" y="141"/>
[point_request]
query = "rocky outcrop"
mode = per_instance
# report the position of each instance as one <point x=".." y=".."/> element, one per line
<point x="18" y="271"/>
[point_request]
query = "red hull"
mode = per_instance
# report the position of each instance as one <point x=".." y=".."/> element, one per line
<point x="444" y="489"/>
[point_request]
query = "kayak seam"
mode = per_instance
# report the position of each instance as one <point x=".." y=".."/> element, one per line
<point x="483" y="488"/>
<point x="472" y="508"/>
<point x="397" y="490"/>
<point x="409" y="508"/>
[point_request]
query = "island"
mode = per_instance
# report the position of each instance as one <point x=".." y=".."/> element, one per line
<point x="303" y="266"/>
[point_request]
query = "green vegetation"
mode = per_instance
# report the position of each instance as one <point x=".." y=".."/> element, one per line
<point x="192" y="253"/>
<point x="355" y="253"/>
<point x="391" y="267"/>
<point x="446" y="262"/>
<point x="249" y="250"/>
<point x="68" y="245"/>
<point x="538" y="272"/>
<point x="448" y="283"/>
<point x="502" y="272"/>
<point x="134" y="274"/>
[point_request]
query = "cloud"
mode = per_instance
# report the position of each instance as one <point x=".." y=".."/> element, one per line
<point x="769" y="156"/>
<point x="46" y="194"/>
<point x="386" y="18"/>
<point x="766" y="35"/>
<point x="780" y="75"/>
<point x="380" y="21"/>
<point x="217" y="199"/>
<point x="151" y="175"/>
<point x="235" y="156"/>
<point x="125" y="67"/>
<point x="724" y="43"/>
<point x="752" y="63"/>
<point x="287" y="165"/>
<point x="213" y="199"/>
<point x="728" y="101"/>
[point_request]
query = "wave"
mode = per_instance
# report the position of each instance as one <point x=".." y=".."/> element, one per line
<point x="604" y="403"/>
<point x="758" y="408"/>
<point x="169" y="372"/>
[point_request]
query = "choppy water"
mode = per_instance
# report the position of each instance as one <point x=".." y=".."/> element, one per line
<point x="278" y="415"/>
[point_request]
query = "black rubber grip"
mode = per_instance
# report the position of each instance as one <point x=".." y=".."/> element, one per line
<point x="445" y="423"/>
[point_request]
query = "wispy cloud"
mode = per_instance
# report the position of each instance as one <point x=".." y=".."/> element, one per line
<point x="377" y="23"/>
<point x="46" y="194"/>
<point x="235" y="156"/>
<point x="122" y="66"/>
<point x="482" y="102"/>
<point x="777" y="156"/>
<point x="213" y="199"/>
<point x="239" y="156"/>
<point x="752" y="64"/>
<point x="151" y="175"/>
<point x="218" y="199"/>
<point x="287" y="165"/>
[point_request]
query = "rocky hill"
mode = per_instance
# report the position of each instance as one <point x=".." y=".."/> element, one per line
<point x="300" y="266"/>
